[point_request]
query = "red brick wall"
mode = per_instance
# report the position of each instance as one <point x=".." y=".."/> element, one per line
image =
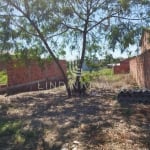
<point x="2" y="66"/>
<point x="123" y="68"/>
<point x="21" y="74"/>
<point x="145" y="41"/>
<point x="140" y="69"/>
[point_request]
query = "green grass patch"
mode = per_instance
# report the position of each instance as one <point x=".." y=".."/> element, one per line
<point x="19" y="138"/>
<point x="16" y="132"/>
<point x="109" y="75"/>
<point x="113" y="78"/>
<point x="106" y="72"/>
<point x="3" y="77"/>
<point x="9" y="127"/>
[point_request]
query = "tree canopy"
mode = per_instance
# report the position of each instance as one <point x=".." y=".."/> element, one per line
<point x="53" y="27"/>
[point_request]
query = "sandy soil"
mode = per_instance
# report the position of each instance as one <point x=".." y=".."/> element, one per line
<point x="48" y="120"/>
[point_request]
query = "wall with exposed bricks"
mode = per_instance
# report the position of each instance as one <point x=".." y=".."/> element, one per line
<point x="19" y="73"/>
<point x="145" y="41"/>
<point x="140" y="69"/>
<point x="2" y="66"/>
<point x="122" y="68"/>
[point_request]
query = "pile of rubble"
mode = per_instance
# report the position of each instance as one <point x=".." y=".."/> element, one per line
<point x="138" y="96"/>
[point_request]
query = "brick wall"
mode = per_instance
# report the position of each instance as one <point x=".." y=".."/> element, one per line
<point x="19" y="73"/>
<point x="140" y="69"/>
<point x="145" y="41"/>
<point x="122" y="68"/>
<point x="2" y="66"/>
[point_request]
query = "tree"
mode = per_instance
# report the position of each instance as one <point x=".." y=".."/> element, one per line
<point x="31" y="24"/>
<point x="26" y="24"/>
<point x="92" y="63"/>
<point x="90" y="21"/>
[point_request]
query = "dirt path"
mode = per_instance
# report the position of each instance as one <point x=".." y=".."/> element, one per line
<point x="48" y="120"/>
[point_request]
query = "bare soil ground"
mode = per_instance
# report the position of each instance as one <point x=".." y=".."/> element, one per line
<point x="48" y="120"/>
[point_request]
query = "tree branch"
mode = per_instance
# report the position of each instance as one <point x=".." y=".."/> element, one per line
<point x="57" y="34"/>
<point x="99" y="22"/>
<point x="11" y="16"/>
<point x="71" y="27"/>
<point x="96" y="5"/>
<point x="42" y="38"/>
<point x="74" y="10"/>
<point x="31" y="33"/>
<point x="129" y="18"/>
<point x="18" y="8"/>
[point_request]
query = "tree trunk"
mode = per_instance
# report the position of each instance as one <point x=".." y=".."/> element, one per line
<point x="59" y="66"/>
<point x="67" y="87"/>
<point x="55" y="59"/>
<point x="79" y="87"/>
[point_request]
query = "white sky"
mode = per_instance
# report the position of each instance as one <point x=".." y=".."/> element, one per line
<point x="116" y="53"/>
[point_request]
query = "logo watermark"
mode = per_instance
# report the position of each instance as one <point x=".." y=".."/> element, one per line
<point x="74" y="71"/>
<point x="56" y="84"/>
<point x="50" y="85"/>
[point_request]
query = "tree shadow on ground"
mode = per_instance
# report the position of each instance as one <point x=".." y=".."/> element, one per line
<point x="136" y="112"/>
<point x="53" y="121"/>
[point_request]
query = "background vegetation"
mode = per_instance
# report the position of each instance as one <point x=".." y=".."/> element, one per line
<point x="3" y="77"/>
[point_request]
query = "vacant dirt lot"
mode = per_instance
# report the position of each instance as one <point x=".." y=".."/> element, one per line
<point x="48" y="120"/>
